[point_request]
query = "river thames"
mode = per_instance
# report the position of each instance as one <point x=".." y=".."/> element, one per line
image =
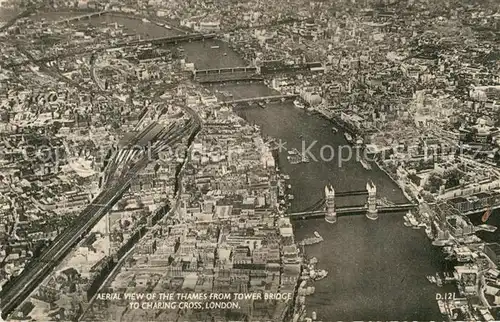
<point x="377" y="269"/>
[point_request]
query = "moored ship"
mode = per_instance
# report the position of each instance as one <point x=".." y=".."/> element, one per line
<point x="298" y="104"/>
<point x="312" y="240"/>
<point x="321" y="274"/>
<point x="365" y="164"/>
<point x="442" y="307"/>
<point x="485" y="227"/>
<point x="348" y="137"/>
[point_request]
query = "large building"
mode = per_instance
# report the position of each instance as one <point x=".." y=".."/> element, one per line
<point x="208" y="26"/>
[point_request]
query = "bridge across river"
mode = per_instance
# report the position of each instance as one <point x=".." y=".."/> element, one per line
<point x="228" y="77"/>
<point x="266" y="99"/>
<point x="326" y="208"/>
<point x="167" y="40"/>
<point x="229" y="74"/>
<point x="225" y="70"/>
<point x="351" y="211"/>
<point x="86" y="16"/>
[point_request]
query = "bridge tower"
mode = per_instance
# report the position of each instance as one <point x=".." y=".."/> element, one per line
<point x="372" y="212"/>
<point x="331" y="214"/>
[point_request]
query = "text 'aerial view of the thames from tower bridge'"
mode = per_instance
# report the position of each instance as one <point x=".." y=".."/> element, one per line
<point x="186" y="168"/>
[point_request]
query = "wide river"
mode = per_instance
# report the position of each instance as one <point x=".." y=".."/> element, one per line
<point x="377" y="269"/>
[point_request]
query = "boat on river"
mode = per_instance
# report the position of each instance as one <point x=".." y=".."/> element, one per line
<point x="485" y="227"/>
<point x="298" y="104"/>
<point x="409" y="220"/>
<point x="365" y="164"/>
<point x="348" y="137"/>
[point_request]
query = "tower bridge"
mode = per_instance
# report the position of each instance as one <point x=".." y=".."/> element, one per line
<point x="326" y="207"/>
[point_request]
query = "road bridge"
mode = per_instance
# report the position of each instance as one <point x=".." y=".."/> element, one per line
<point x="351" y="211"/>
<point x="266" y="99"/>
<point x="326" y="208"/>
<point x="225" y="70"/>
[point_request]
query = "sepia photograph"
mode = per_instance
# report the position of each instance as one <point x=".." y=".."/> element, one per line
<point x="249" y="160"/>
